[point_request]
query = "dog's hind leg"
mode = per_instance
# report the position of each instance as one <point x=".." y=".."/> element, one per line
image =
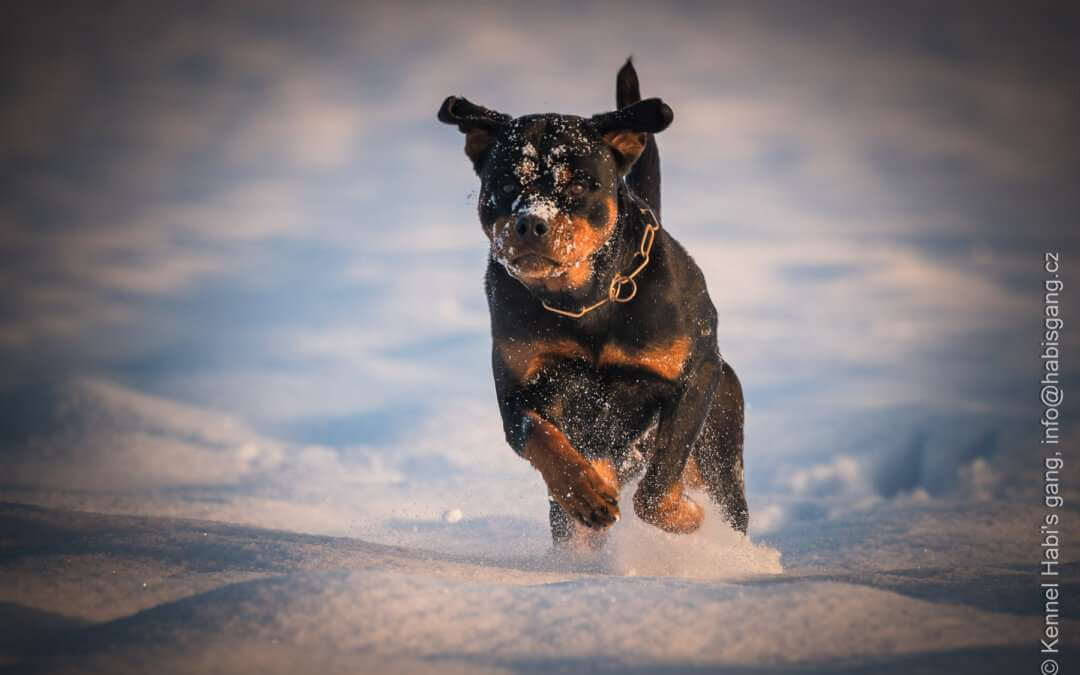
<point x="718" y="453"/>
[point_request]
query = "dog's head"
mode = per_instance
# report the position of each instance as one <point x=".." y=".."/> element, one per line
<point x="549" y="183"/>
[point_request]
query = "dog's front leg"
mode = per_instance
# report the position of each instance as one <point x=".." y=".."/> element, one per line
<point x="659" y="499"/>
<point x="572" y="481"/>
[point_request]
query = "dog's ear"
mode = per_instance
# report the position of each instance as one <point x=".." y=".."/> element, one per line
<point x="626" y="130"/>
<point x="477" y="123"/>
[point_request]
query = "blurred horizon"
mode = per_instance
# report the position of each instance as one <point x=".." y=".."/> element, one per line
<point x="242" y="262"/>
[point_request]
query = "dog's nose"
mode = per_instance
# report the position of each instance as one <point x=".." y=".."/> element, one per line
<point x="528" y="226"/>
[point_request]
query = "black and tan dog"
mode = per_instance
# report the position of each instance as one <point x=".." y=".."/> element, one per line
<point x="604" y="353"/>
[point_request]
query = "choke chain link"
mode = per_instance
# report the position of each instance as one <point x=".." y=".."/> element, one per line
<point x="621" y="280"/>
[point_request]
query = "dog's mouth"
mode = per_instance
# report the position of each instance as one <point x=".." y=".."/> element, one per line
<point x="534" y="266"/>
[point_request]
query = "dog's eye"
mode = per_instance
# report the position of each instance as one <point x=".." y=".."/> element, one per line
<point x="509" y="188"/>
<point x="578" y="189"/>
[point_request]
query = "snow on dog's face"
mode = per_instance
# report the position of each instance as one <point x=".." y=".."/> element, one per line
<point x="548" y="197"/>
<point x="549" y="183"/>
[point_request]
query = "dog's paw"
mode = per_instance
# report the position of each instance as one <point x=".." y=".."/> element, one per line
<point x="591" y="498"/>
<point x="672" y="511"/>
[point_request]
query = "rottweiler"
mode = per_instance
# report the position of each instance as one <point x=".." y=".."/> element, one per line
<point x="604" y="344"/>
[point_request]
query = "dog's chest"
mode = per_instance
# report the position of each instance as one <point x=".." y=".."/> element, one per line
<point x="604" y="396"/>
<point x="664" y="360"/>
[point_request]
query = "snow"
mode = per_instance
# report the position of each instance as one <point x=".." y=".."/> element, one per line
<point x="190" y="596"/>
<point x="525" y="170"/>
<point x="452" y="516"/>
<point x="453" y="571"/>
<point x="544" y="207"/>
<point x="606" y="622"/>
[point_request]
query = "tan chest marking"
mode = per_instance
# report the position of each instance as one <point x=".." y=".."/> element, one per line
<point x="525" y="359"/>
<point x="666" y="360"/>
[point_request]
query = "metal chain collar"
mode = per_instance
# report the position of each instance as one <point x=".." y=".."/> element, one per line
<point x="621" y="280"/>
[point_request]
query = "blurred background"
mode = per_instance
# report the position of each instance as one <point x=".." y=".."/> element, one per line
<point x="242" y="271"/>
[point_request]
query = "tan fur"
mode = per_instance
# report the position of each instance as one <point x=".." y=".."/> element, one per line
<point x="666" y="360"/>
<point x="629" y="144"/>
<point x="570" y="244"/>
<point x="525" y="359"/>
<point x="585" y="540"/>
<point x="576" y="276"/>
<point x="587" y="238"/>
<point x="606" y="469"/>
<point x="571" y="480"/>
<point x="673" y="512"/>
<point x="691" y="475"/>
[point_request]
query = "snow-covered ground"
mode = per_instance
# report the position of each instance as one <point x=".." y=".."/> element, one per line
<point x="915" y="589"/>
<point x="371" y="571"/>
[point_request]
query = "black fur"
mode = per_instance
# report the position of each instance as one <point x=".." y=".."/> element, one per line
<point x="606" y="407"/>
<point x="644" y="177"/>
